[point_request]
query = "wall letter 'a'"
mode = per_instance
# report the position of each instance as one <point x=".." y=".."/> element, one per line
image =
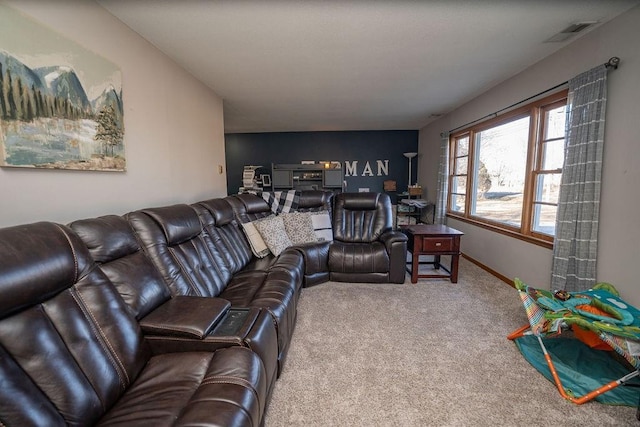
<point x="350" y="168"/>
<point x="367" y="170"/>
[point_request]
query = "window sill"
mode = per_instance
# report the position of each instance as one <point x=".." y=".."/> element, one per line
<point x="506" y="232"/>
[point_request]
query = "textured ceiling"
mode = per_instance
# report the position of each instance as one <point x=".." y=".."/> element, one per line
<point x="353" y="65"/>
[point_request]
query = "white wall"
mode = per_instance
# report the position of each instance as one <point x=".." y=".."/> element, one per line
<point x="619" y="233"/>
<point x="174" y="132"/>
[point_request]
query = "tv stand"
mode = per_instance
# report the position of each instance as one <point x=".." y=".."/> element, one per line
<point x="306" y="177"/>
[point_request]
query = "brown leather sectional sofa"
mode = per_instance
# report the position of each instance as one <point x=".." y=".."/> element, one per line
<point x="163" y="316"/>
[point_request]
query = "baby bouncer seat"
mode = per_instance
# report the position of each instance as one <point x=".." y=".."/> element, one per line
<point x="598" y="313"/>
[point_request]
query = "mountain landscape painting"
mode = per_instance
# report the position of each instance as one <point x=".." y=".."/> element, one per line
<point x="60" y="104"/>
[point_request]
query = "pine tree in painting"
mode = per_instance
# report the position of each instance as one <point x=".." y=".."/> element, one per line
<point x="108" y="130"/>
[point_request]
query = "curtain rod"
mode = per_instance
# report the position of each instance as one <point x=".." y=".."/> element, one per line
<point x="611" y="63"/>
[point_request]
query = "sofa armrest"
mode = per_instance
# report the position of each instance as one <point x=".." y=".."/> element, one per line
<point x="252" y="328"/>
<point x="185" y="317"/>
<point x="396" y="244"/>
<point x="316" y="262"/>
<point x="390" y="238"/>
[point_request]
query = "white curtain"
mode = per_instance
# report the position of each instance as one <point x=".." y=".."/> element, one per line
<point x="443" y="180"/>
<point x="576" y="240"/>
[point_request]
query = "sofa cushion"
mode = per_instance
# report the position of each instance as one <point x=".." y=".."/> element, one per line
<point x="227" y="387"/>
<point x="299" y="227"/>
<point x="225" y="237"/>
<point x="359" y="201"/>
<point x="358" y="258"/>
<point x="289" y="260"/>
<point x="274" y="234"/>
<point x="361" y="217"/>
<point x="32" y="272"/>
<point x="113" y="244"/>
<point x="249" y="207"/>
<point x="314" y="200"/>
<point x="107" y="237"/>
<point x="322" y="228"/>
<point x="188" y="268"/>
<point x="258" y="246"/>
<point x="220" y="210"/>
<point x="178" y="222"/>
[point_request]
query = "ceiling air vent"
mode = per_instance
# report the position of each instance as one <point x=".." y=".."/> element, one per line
<point x="570" y="31"/>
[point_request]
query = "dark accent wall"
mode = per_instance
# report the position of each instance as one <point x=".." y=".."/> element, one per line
<point x="293" y="147"/>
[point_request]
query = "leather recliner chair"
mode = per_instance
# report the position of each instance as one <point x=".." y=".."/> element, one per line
<point x="365" y="247"/>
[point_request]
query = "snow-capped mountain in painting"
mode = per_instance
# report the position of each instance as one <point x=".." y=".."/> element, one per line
<point x="62" y="82"/>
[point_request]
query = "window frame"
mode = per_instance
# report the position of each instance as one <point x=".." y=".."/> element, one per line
<point x="453" y="156"/>
<point x="536" y="112"/>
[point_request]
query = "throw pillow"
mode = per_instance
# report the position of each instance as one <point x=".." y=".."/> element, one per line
<point x="299" y="227"/>
<point x="322" y="226"/>
<point x="258" y="246"/>
<point x="274" y="234"/>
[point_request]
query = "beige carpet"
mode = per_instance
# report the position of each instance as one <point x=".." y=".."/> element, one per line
<point x="431" y="354"/>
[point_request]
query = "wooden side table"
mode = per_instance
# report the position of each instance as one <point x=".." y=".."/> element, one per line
<point x="436" y="240"/>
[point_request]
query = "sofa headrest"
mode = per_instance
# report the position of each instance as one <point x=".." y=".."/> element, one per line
<point x="38" y="261"/>
<point x="220" y="210"/>
<point x="358" y="201"/>
<point x="178" y="222"/>
<point x="252" y="203"/>
<point x="108" y="237"/>
<point x="314" y="199"/>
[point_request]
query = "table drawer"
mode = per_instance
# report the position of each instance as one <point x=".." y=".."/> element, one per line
<point x="437" y="244"/>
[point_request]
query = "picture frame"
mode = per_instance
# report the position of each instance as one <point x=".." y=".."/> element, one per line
<point x="65" y="109"/>
<point x="266" y="180"/>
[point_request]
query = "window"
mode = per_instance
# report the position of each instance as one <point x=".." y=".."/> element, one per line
<point x="458" y="182"/>
<point x="505" y="173"/>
